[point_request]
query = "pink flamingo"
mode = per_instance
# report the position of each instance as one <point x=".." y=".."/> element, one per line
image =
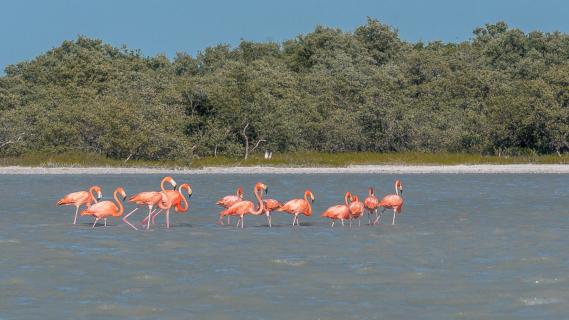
<point x="356" y="209"/>
<point x="270" y="206"/>
<point x="242" y="208"/>
<point x="178" y="201"/>
<point x="80" y="198"/>
<point x="106" y="209"/>
<point x="339" y="212"/>
<point x="230" y="200"/>
<point x="299" y="206"/>
<point x="393" y="201"/>
<point x="151" y="199"/>
<point x="371" y="204"/>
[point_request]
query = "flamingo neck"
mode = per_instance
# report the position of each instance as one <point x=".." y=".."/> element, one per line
<point x="396" y="189"/>
<point x="348" y="195"/>
<point x="261" y="207"/>
<point x="308" y="202"/>
<point x="119" y="204"/>
<point x="370" y="192"/>
<point x="183" y="206"/>
<point x="92" y="194"/>
<point x="162" y="185"/>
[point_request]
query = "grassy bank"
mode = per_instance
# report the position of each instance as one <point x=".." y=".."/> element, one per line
<point x="305" y="159"/>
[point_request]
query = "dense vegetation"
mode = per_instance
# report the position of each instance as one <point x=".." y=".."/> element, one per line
<point x="504" y="92"/>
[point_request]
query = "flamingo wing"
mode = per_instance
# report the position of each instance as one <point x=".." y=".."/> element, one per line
<point x="340" y="211"/>
<point x="294" y="206"/>
<point x="392" y="201"/>
<point x="272" y="204"/>
<point x="147" y="197"/>
<point x="228" y="201"/>
<point x="239" y="208"/>
<point x="371" y="202"/>
<point x="101" y="209"/>
<point x="75" y="198"/>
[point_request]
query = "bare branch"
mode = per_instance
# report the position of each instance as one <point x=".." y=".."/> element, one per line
<point x="257" y="144"/>
<point x="18" y="139"/>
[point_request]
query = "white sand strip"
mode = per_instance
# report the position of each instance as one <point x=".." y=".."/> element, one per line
<point x="400" y="169"/>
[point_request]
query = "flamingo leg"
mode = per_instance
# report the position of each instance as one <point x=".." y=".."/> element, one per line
<point x="332" y="225"/>
<point x="377" y="218"/>
<point x="342" y="222"/>
<point x="105" y="222"/>
<point x="76" y="212"/>
<point x="149" y="214"/>
<point x="242" y="221"/>
<point x="168" y="219"/>
<point x="125" y="220"/>
<point x="155" y="215"/>
<point x="228" y="219"/>
<point x="293" y="220"/>
<point x="359" y="222"/>
<point x="393" y="222"/>
<point x="145" y="218"/>
<point x="95" y="223"/>
<point x="238" y="221"/>
<point x="269" y="219"/>
<point x="369" y="217"/>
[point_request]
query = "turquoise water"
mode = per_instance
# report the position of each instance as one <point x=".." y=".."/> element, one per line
<point x="466" y="246"/>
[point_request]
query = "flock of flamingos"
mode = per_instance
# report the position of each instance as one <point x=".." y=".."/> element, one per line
<point x="162" y="201"/>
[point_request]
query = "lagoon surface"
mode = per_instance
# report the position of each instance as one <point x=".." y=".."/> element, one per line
<point x="469" y="246"/>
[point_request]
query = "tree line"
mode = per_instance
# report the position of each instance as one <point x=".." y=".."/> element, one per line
<point x="503" y="92"/>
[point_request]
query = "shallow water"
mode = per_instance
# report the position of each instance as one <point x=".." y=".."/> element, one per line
<point x="466" y="246"/>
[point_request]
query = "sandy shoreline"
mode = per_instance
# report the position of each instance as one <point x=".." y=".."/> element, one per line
<point x="401" y="169"/>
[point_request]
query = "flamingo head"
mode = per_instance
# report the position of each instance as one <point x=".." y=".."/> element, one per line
<point x="240" y="192"/>
<point x="188" y="188"/>
<point x="261" y="186"/>
<point x="354" y="198"/>
<point x="97" y="189"/>
<point x="309" y="193"/>
<point x="348" y="196"/>
<point x="399" y="186"/>
<point x="370" y="191"/>
<point x="170" y="180"/>
<point x="120" y="191"/>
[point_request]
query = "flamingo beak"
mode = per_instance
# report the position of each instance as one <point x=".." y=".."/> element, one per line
<point x="99" y="196"/>
<point x="401" y="190"/>
<point x="267" y="190"/>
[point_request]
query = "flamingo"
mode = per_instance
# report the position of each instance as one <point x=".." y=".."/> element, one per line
<point x="270" y="206"/>
<point x="299" y="206"/>
<point x="106" y="209"/>
<point x="178" y="201"/>
<point x="393" y="201"/>
<point x="371" y="204"/>
<point x="230" y="200"/>
<point x="151" y="199"/>
<point x="341" y="211"/>
<point x="356" y="209"/>
<point x="80" y="198"/>
<point x="242" y="208"/>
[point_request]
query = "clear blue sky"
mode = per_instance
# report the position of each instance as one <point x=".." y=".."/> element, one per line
<point x="28" y="28"/>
